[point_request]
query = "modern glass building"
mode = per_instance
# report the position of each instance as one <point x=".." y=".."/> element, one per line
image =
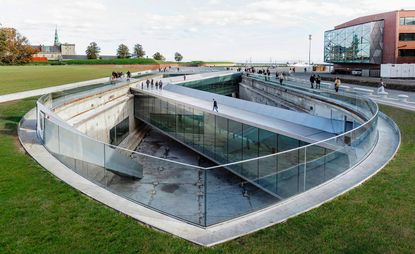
<point x="355" y="44"/>
<point x="367" y="42"/>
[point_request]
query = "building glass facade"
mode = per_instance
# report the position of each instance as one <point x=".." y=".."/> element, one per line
<point x="355" y="44"/>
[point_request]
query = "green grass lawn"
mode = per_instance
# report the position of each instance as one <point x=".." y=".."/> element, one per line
<point x="39" y="213"/>
<point x="15" y="79"/>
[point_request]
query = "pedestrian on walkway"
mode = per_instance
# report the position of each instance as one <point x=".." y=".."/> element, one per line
<point x="152" y="84"/>
<point x="337" y="84"/>
<point x="215" y="105"/>
<point x="161" y="85"/>
<point x="157" y="85"/>
<point x="148" y="83"/>
<point x="318" y="81"/>
<point x="142" y="85"/>
<point x="281" y="77"/>
<point x="312" y="79"/>
<point x="381" y="87"/>
<point x="128" y="75"/>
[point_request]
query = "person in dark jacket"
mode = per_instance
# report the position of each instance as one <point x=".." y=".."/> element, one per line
<point x="215" y="105"/>
<point x="312" y="79"/>
<point x="318" y="81"/>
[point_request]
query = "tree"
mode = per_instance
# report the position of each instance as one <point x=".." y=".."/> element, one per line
<point x="178" y="57"/>
<point x="92" y="51"/>
<point x="15" y="48"/>
<point x="123" y="51"/>
<point x="159" y="57"/>
<point x="139" y="51"/>
<point x="3" y="44"/>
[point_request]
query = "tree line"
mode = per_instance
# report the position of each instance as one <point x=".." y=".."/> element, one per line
<point x="15" y="49"/>
<point x="93" y="50"/>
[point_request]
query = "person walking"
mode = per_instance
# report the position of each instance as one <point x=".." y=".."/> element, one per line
<point x="152" y="84"/>
<point x="148" y="83"/>
<point x="312" y="79"/>
<point x="157" y="85"/>
<point x="337" y="84"/>
<point x="161" y="85"/>
<point x="381" y="87"/>
<point x="128" y="75"/>
<point x="318" y="81"/>
<point x="281" y="77"/>
<point x="142" y="85"/>
<point x="215" y="105"/>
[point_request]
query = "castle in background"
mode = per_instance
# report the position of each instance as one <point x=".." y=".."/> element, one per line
<point x="58" y="51"/>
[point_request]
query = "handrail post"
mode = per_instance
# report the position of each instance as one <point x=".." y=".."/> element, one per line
<point x="305" y="168"/>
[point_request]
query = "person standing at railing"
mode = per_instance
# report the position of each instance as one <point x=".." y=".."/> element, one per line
<point x="312" y="79"/>
<point x="337" y="84"/>
<point x="281" y="77"/>
<point x="318" y="81"/>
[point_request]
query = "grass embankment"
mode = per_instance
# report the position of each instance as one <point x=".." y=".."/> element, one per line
<point x="114" y="61"/>
<point x="22" y="78"/>
<point x="39" y="213"/>
<point x="144" y="61"/>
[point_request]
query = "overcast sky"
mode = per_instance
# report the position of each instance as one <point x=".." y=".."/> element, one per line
<point x="232" y="30"/>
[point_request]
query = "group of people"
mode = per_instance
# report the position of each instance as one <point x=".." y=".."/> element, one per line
<point x="165" y="69"/>
<point x="119" y="75"/>
<point x="315" y="79"/>
<point x="315" y="82"/>
<point x="150" y="84"/>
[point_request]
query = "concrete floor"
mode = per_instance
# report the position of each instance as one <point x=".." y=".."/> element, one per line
<point x="180" y="191"/>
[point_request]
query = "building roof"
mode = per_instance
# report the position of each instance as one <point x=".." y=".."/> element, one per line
<point x="370" y="18"/>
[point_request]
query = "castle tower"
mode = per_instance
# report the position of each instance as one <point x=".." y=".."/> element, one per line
<point x="56" y="43"/>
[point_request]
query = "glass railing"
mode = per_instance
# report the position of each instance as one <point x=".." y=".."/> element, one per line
<point x="200" y="194"/>
<point x="349" y="99"/>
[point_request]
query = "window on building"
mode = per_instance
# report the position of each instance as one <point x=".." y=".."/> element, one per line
<point x="119" y="132"/>
<point x="407" y="36"/>
<point x="407" y="21"/>
<point x="407" y="52"/>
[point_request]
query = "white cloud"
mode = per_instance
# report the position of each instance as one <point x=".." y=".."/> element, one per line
<point x="212" y="30"/>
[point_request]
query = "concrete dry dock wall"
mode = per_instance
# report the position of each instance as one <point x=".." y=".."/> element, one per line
<point x="94" y="115"/>
<point x="270" y="94"/>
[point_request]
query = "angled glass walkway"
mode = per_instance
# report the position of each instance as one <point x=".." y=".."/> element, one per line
<point x="240" y="131"/>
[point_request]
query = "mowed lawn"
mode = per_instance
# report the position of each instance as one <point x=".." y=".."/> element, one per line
<point x="22" y="78"/>
<point x="41" y="214"/>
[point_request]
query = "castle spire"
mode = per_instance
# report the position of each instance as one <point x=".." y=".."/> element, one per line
<point x="56" y="43"/>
